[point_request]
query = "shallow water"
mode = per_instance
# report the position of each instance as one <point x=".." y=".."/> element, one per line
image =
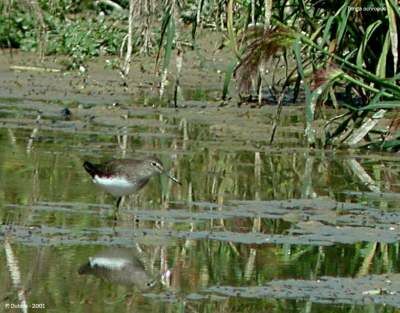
<point x="253" y="228"/>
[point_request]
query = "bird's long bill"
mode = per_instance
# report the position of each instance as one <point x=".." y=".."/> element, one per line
<point x="172" y="178"/>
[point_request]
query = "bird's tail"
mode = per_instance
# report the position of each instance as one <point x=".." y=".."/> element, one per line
<point x="90" y="168"/>
<point x="85" y="269"/>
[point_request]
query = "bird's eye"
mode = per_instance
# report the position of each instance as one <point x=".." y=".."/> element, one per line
<point x="156" y="164"/>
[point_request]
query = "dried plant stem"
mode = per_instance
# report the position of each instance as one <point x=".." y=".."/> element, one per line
<point x="34" y="68"/>
<point x="268" y="13"/>
<point x="358" y="134"/>
<point x="127" y="62"/>
<point x="41" y="27"/>
<point x="253" y="12"/>
<point x="144" y="10"/>
<point x="198" y="12"/>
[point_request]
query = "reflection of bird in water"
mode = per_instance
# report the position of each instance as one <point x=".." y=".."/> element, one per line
<point x="120" y="266"/>
<point x="126" y="176"/>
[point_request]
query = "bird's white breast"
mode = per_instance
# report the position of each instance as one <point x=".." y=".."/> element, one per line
<point x="108" y="263"/>
<point x="117" y="186"/>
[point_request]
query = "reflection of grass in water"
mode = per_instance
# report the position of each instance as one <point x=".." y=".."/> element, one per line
<point x="280" y="177"/>
<point x="53" y="172"/>
<point x="200" y="264"/>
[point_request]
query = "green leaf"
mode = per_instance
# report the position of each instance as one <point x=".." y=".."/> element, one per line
<point x="164" y="28"/>
<point x="327" y="29"/>
<point x="343" y="17"/>
<point x="381" y="67"/>
<point x="391" y="145"/>
<point x="393" y="33"/>
<point x="368" y="33"/>
<point x="382" y="105"/>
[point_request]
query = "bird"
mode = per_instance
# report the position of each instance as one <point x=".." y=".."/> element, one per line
<point x="122" y="177"/>
<point x="121" y="266"/>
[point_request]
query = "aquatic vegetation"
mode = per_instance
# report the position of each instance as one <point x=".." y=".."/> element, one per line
<point x="329" y="49"/>
<point x="343" y="55"/>
<point x="323" y="50"/>
<point x="249" y="226"/>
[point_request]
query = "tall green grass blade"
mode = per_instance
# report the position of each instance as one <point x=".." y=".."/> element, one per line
<point x="381" y="67"/>
<point x="382" y="105"/>
<point x="391" y="145"/>
<point x="343" y="18"/>
<point x="368" y="33"/>
<point x="327" y="30"/>
<point x="377" y="98"/>
<point x="360" y="83"/>
<point x="394" y="39"/>
<point x="164" y="27"/>
<point x="389" y="85"/>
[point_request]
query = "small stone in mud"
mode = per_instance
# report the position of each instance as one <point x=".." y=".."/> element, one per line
<point x="85" y="106"/>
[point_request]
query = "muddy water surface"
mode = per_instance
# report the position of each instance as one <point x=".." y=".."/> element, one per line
<point x="253" y="228"/>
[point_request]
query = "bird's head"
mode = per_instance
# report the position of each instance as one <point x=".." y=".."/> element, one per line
<point x="157" y="167"/>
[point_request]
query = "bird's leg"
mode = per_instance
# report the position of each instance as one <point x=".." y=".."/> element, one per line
<point x="120" y="202"/>
<point x="136" y="206"/>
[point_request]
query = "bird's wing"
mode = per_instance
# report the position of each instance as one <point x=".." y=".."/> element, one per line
<point x="121" y="167"/>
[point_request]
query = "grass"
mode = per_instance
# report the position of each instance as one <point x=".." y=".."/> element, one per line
<point x="336" y="50"/>
<point x="80" y="36"/>
<point x="340" y="54"/>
